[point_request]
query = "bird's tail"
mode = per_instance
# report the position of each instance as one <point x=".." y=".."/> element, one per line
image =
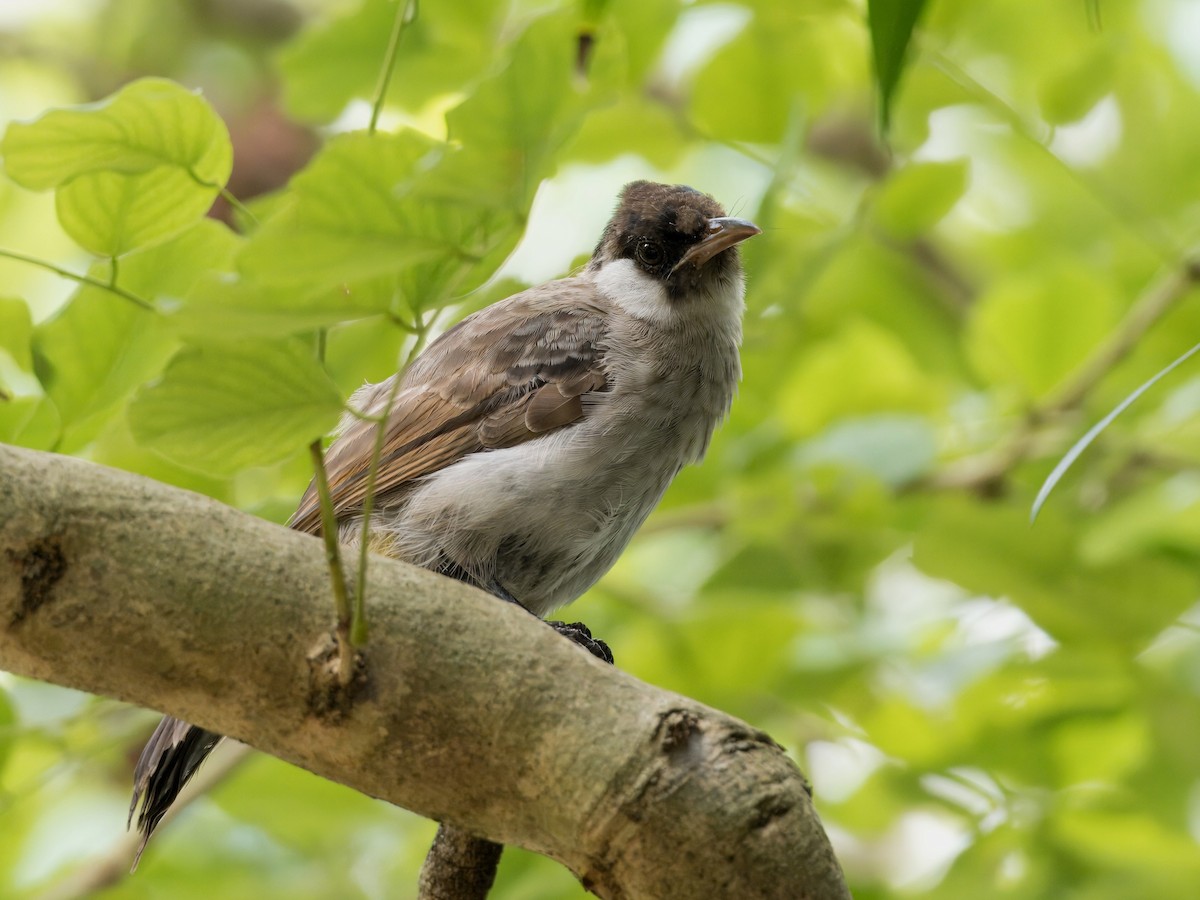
<point x="168" y="760"/>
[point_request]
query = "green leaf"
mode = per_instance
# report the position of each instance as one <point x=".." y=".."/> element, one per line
<point x="224" y="303"/>
<point x="99" y="347"/>
<point x="353" y="216"/>
<point x="891" y="23"/>
<point x="366" y="350"/>
<point x="783" y="65"/>
<point x="220" y="408"/>
<point x="1084" y="442"/>
<point x="1100" y="748"/>
<point x="8" y="728"/>
<point x="992" y="550"/>
<point x="374" y="205"/>
<point x="1069" y="94"/>
<point x="110" y="213"/>
<point x="31" y="422"/>
<point x="27" y="417"/>
<point x="865" y="369"/>
<point x="1034" y="329"/>
<point x="896" y="449"/>
<point x="16" y="331"/>
<point x="510" y="133"/>
<point x="447" y="46"/>
<point x="130" y="170"/>
<point x="632" y="125"/>
<point x="916" y="197"/>
<point x="1163" y="516"/>
<point x="1115" y="840"/>
<point x="149" y="123"/>
<point x="295" y="794"/>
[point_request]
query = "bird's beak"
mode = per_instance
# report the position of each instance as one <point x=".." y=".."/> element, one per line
<point x="722" y="233"/>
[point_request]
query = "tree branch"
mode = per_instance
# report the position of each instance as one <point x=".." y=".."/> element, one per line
<point x="468" y="711"/>
<point x="987" y="469"/>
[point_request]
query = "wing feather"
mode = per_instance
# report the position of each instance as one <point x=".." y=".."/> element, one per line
<point x="507" y="374"/>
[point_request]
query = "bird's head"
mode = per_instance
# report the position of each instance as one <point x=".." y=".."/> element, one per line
<point x="675" y="236"/>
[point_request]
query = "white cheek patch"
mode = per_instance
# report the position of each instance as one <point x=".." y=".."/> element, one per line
<point x="640" y="295"/>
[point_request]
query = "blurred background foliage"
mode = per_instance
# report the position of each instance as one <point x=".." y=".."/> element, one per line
<point x="986" y="709"/>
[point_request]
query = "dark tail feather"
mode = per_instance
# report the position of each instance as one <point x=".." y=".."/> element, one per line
<point x="168" y="760"/>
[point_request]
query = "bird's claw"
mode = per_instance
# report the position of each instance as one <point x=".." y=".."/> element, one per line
<point x="582" y="635"/>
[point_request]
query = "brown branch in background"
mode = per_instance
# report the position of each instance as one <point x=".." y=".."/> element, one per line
<point x="850" y="142"/>
<point x="986" y="471"/>
<point x="1143" y="315"/>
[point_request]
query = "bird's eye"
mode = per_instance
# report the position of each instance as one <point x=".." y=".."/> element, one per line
<point x="648" y="253"/>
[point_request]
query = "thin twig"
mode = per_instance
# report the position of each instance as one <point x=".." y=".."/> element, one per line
<point x="358" y="627"/>
<point x="238" y="206"/>
<point x="333" y="557"/>
<point x="1024" y="440"/>
<point x="405" y="16"/>
<point x="1142" y="316"/>
<point x="82" y="279"/>
<point x="1122" y="211"/>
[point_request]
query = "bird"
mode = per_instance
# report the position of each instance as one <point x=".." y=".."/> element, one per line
<point x="526" y="444"/>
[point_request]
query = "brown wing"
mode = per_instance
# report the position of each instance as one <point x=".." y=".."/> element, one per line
<point x="505" y="375"/>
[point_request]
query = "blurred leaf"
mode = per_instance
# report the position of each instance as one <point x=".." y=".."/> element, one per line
<point x="1100" y="748"/>
<point x="1068" y="95"/>
<point x="632" y="125"/>
<point x="1094" y="432"/>
<point x="1127" y="839"/>
<point x="509" y="133"/>
<point x="221" y="408"/>
<point x="896" y="449"/>
<point x="780" y="64"/>
<point x="365" y="350"/>
<point x="1035" y="329"/>
<point x="447" y="47"/>
<point x="635" y="32"/>
<point x="16" y="331"/>
<point x="1162" y="517"/>
<point x="27" y="417"/>
<point x="916" y="197"/>
<point x="116" y="447"/>
<point x="891" y="23"/>
<point x="8" y="728"/>
<point x="993" y="550"/>
<point x="863" y="370"/>
<point x="281" y="797"/>
<point x="31" y="421"/>
<point x="148" y="123"/>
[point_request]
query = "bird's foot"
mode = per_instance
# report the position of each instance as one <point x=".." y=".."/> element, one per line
<point x="576" y="632"/>
<point x="582" y="635"/>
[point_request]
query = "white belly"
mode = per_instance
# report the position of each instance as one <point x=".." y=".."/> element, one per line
<point x="544" y="520"/>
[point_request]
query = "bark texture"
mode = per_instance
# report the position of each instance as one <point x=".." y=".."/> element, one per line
<point x="464" y="710"/>
<point x="459" y="866"/>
